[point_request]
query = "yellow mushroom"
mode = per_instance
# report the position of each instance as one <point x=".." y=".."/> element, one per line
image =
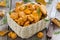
<point x="19" y="3"/>
<point x="29" y="18"/>
<point x="27" y="23"/>
<point x="35" y="16"/>
<point x="27" y="11"/>
<point x="14" y="15"/>
<point x="12" y="35"/>
<point x="43" y="9"/>
<point x="20" y="21"/>
<point x="3" y="33"/>
<point x="40" y="35"/>
<point x="3" y="3"/>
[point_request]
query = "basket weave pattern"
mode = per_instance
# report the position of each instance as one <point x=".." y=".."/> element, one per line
<point x="26" y="32"/>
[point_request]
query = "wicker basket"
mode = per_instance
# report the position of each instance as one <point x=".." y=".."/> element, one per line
<point x="26" y="32"/>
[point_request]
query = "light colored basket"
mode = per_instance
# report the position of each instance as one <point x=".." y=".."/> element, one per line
<point x="26" y="32"/>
